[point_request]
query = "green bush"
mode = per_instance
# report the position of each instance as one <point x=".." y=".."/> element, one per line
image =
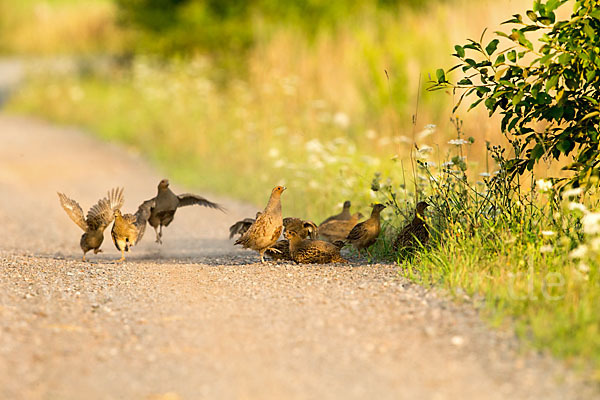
<point x="549" y="95"/>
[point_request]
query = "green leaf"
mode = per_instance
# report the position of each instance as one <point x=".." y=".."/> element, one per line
<point x="517" y="97"/>
<point x="491" y="47"/>
<point x="565" y="146"/>
<point x="595" y="13"/>
<point x="532" y="15"/>
<point x="441" y="76"/>
<point x="564" y="59"/>
<point x="460" y="51"/>
<point x="512" y="56"/>
<point x="537" y="152"/>
<point x="499" y="60"/>
<point x="552" y="81"/>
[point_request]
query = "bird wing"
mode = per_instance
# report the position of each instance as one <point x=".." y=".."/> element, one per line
<point x="115" y="198"/>
<point x="142" y="215"/>
<point x="240" y="227"/>
<point x="357" y="232"/>
<point x="73" y="210"/>
<point x="103" y="213"/>
<point x="100" y="215"/>
<point x="188" y="199"/>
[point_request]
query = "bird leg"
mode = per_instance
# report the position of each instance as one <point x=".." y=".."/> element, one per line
<point x="262" y="260"/>
<point x="158" y="235"/>
<point x="122" y="256"/>
<point x="274" y="250"/>
<point x="83" y="258"/>
<point x="96" y="251"/>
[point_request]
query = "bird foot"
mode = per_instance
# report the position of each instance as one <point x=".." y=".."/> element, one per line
<point x="274" y="250"/>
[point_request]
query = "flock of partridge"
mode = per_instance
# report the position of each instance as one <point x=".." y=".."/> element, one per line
<point x="304" y="242"/>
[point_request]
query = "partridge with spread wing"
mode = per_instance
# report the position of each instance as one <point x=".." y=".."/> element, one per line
<point x="128" y="229"/>
<point x="166" y="203"/>
<point x="97" y="220"/>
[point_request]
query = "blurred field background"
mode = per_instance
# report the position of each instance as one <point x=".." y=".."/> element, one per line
<point x="234" y="97"/>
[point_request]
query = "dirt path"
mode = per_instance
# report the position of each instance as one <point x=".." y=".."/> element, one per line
<point x="197" y="319"/>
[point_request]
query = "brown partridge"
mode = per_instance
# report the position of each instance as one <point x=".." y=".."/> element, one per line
<point x="281" y="249"/>
<point x="167" y="203"/>
<point x="338" y="229"/>
<point x="97" y="220"/>
<point x="343" y="216"/>
<point x="265" y="231"/>
<point x="128" y="229"/>
<point x="307" y="251"/>
<point x="365" y="233"/>
<point x="414" y="234"/>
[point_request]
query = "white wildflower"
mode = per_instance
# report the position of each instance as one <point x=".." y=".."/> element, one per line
<point x="485" y="174"/>
<point x="576" y="206"/>
<point x="447" y="164"/>
<point x="341" y="120"/>
<point x="579" y="252"/>
<point x="548" y="233"/>
<point x="458" y="142"/>
<point x="572" y="192"/>
<point x="370" y="134"/>
<point x="319" y="103"/>
<point x="591" y="223"/>
<point x="384" y="141"/>
<point x="273" y="152"/>
<point x="313" y="184"/>
<point x="543" y="186"/>
<point x="279" y="163"/>
<point x="314" y="146"/>
<point x="428" y="130"/>
<point x="546" y="248"/>
<point x="425" y="149"/>
<point x="583" y="267"/>
<point x="402" y="139"/>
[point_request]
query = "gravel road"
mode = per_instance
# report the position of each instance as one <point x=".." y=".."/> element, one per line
<point x="197" y="318"/>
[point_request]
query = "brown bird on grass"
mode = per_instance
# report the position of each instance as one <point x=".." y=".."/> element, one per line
<point x="166" y="204"/>
<point x="343" y="216"/>
<point x="338" y="229"/>
<point x="365" y="233"/>
<point x="307" y="251"/>
<point x="281" y="249"/>
<point x="128" y="229"/>
<point x="265" y="231"/>
<point x="97" y="220"/>
<point x="415" y="233"/>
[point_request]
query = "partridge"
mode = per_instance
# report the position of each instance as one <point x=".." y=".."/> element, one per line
<point x="281" y="249"/>
<point x="128" y="229"/>
<point x="415" y="233"/>
<point x="343" y="216"/>
<point x="365" y="233"/>
<point x="338" y="229"/>
<point x="265" y="231"/>
<point x="307" y="251"/>
<point x="97" y="220"/>
<point x="166" y="203"/>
